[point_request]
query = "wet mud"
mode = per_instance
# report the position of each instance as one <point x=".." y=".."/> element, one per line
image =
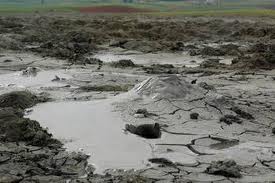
<point x="82" y="96"/>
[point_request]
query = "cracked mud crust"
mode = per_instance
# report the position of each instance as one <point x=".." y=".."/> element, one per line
<point x="216" y="118"/>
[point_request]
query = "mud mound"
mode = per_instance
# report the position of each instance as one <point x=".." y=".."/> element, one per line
<point x="72" y="46"/>
<point x="227" y="168"/>
<point x="262" y="57"/>
<point x="261" y="48"/>
<point x="228" y="49"/>
<point x="123" y="63"/>
<point x="161" y="69"/>
<point x="166" y="87"/>
<point x="15" y="128"/>
<point x="113" y="9"/>
<point x="261" y="61"/>
<point x="9" y="41"/>
<point x="20" y="99"/>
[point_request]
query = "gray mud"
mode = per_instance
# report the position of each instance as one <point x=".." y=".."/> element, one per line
<point x="67" y="93"/>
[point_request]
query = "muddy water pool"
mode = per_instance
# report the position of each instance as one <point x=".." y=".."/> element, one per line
<point x="94" y="128"/>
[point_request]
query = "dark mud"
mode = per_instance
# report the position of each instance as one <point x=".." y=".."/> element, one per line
<point x="21" y="99"/>
<point x="227" y="168"/>
<point x="28" y="152"/>
<point x="75" y="37"/>
<point x="261" y="56"/>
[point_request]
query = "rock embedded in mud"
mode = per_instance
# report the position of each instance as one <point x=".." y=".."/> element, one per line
<point x="149" y="131"/>
<point x="20" y="99"/>
<point x="230" y="119"/>
<point x="194" y="115"/>
<point x="194" y="81"/>
<point x="161" y="161"/>
<point x="227" y="168"/>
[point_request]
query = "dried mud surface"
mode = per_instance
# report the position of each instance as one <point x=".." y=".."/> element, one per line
<point x="216" y="119"/>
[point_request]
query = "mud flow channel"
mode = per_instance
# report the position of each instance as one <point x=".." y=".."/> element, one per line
<point x="43" y="78"/>
<point x="95" y="128"/>
<point x="178" y="59"/>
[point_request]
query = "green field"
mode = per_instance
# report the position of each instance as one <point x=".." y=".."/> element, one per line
<point x="166" y="7"/>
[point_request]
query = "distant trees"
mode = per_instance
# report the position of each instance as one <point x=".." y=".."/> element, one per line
<point x="203" y="3"/>
<point x="42" y="2"/>
<point x="219" y="3"/>
<point x="127" y="1"/>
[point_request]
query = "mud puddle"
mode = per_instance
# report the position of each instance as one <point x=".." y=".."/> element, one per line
<point x="95" y="129"/>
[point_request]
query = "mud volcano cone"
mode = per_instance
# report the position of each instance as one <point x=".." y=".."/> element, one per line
<point x="170" y="86"/>
<point x="173" y="92"/>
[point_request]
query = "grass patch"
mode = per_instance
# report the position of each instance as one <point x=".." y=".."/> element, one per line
<point x="236" y="12"/>
<point x="31" y="9"/>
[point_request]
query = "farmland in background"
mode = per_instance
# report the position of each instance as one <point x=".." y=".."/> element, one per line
<point x="164" y="7"/>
